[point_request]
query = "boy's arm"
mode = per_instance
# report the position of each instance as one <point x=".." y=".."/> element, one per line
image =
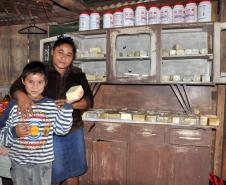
<point x="63" y="120"/>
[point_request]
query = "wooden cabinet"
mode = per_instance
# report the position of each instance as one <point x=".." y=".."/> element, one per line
<point x="106" y="154"/>
<point x="148" y="156"/>
<point x="131" y="154"/>
<point x="190" y="151"/>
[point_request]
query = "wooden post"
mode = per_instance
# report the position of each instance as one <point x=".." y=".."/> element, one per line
<point x="218" y="154"/>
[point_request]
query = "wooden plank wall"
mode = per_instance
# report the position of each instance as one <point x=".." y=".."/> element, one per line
<point x="15" y="49"/>
<point x="223" y="60"/>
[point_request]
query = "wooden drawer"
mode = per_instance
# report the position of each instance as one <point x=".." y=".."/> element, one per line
<point x="193" y="137"/>
<point x="153" y="134"/>
<point x="117" y="131"/>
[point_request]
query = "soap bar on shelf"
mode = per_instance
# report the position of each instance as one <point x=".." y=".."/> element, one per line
<point x="75" y="93"/>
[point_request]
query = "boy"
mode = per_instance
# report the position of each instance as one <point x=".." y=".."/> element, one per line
<point x="30" y="137"/>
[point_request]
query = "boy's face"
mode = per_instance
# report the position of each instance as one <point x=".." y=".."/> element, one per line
<point x="34" y="85"/>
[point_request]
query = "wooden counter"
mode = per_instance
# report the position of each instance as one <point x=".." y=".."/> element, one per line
<point x="144" y="154"/>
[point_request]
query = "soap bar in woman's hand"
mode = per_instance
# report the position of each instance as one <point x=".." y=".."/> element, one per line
<point x="75" y="93"/>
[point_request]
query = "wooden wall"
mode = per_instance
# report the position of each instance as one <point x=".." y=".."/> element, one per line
<point x="15" y="50"/>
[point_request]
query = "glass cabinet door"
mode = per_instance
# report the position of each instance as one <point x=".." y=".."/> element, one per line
<point x="134" y="54"/>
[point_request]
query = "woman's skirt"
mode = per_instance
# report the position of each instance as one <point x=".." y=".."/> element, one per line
<point x="70" y="156"/>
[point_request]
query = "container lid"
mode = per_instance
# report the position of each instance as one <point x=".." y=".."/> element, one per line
<point x="118" y="10"/>
<point x="165" y="5"/>
<point x="107" y="12"/>
<point x="191" y="2"/>
<point x="127" y="7"/>
<point x="94" y="12"/>
<point x="178" y="4"/>
<point x="84" y="13"/>
<point x="153" y="6"/>
<point x="143" y="5"/>
<point x="204" y="1"/>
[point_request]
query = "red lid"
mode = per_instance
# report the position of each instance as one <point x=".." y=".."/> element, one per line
<point x="127" y="7"/>
<point x="94" y="12"/>
<point x="189" y="2"/>
<point x="141" y="5"/>
<point x="153" y="6"/>
<point x="178" y="4"/>
<point x="108" y="12"/>
<point x="204" y="1"/>
<point x="165" y="5"/>
<point x="84" y="13"/>
<point x="118" y="10"/>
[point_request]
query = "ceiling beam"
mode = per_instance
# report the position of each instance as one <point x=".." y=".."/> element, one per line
<point x="73" y="5"/>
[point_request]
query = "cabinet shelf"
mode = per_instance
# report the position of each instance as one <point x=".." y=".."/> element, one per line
<point x="206" y="56"/>
<point x="87" y="59"/>
<point x="134" y="58"/>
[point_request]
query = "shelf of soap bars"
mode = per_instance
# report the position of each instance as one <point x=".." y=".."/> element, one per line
<point x="199" y="56"/>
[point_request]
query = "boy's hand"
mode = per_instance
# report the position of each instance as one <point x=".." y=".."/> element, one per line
<point x="22" y="130"/>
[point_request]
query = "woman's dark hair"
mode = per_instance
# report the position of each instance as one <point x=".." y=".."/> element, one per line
<point x="34" y="67"/>
<point x="65" y="40"/>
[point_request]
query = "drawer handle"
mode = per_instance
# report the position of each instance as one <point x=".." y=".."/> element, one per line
<point x="190" y="138"/>
<point x="91" y="127"/>
<point x="102" y="140"/>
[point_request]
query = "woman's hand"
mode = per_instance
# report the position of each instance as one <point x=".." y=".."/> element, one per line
<point x="22" y="130"/>
<point x="24" y="103"/>
<point x="60" y="102"/>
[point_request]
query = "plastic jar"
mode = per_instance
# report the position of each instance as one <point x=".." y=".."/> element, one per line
<point x="128" y="16"/>
<point x="84" y="21"/>
<point x="204" y="11"/>
<point x="166" y="14"/>
<point x="153" y="15"/>
<point x="190" y="12"/>
<point x="107" y="20"/>
<point x="117" y="18"/>
<point x="178" y="13"/>
<point x="94" y="21"/>
<point x="141" y="15"/>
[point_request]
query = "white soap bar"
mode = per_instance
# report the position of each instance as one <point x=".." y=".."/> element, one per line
<point x="75" y="93"/>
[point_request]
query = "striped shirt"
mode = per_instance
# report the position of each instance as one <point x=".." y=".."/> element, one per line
<point x="45" y="120"/>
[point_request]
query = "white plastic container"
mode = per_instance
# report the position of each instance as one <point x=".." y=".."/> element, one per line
<point x="178" y="13"/>
<point x="140" y="15"/>
<point x="94" y="21"/>
<point x="107" y="20"/>
<point x="117" y="18"/>
<point x="153" y="15"/>
<point x="166" y="14"/>
<point x="204" y="11"/>
<point x="190" y="12"/>
<point x="84" y="21"/>
<point x="128" y="16"/>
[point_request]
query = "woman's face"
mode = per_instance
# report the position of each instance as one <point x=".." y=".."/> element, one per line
<point x="62" y="57"/>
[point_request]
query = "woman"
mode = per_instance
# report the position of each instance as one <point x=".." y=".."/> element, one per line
<point x="69" y="150"/>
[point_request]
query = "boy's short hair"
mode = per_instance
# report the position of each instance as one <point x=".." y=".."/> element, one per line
<point x="65" y="40"/>
<point x="34" y="67"/>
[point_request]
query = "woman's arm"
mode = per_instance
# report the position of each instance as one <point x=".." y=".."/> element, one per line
<point x="17" y="91"/>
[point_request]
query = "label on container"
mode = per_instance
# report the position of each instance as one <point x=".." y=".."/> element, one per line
<point x="166" y="15"/>
<point x="141" y="15"/>
<point x="117" y="19"/>
<point x="94" y="21"/>
<point x="84" y="22"/>
<point x="128" y="17"/>
<point x="190" y="12"/>
<point x="154" y="15"/>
